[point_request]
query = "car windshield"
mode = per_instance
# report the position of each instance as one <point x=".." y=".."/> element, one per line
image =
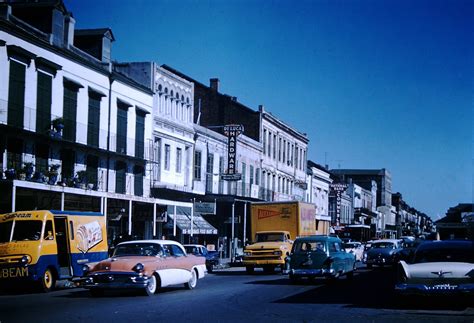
<point x="267" y="237"/>
<point x="383" y="245"/>
<point x="26" y="230"/>
<point x="306" y="246"/>
<point x="5" y="231"/>
<point x="137" y="249"/>
<point x="444" y="255"/>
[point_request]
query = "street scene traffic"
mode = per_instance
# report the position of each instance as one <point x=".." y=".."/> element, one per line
<point x="335" y="188"/>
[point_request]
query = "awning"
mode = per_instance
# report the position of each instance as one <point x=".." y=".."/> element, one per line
<point x="183" y="221"/>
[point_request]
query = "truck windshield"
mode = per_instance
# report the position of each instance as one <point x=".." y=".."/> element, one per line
<point x="267" y="237"/>
<point x="27" y="230"/>
<point x="5" y="231"/>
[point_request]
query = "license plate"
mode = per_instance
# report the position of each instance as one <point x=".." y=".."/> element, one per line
<point x="14" y="272"/>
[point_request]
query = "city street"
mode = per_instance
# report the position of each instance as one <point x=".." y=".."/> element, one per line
<point x="232" y="295"/>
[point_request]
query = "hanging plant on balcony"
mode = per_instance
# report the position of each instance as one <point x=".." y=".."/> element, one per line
<point x="10" y="173"/>
<point x="53" y="174"/>
<point x="81" y="179"/>
<point x="28" y="169"/>
<point x="58" y="126"/>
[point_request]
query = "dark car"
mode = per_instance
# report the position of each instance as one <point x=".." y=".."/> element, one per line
<point x="384" y="252"/>
<point x="212" y="257"/>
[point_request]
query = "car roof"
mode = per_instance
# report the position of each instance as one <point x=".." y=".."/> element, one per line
<point x="387" y="240"/>
<point x="446" y="244"/>
<point x="194" y="245"/>
<point x="318" y="238"/>
<point x="151" y="241"/>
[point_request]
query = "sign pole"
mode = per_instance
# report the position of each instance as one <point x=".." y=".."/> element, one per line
<point x="232" y="256"/>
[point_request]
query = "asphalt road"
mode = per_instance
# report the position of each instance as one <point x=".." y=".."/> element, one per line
<point x="233" y="296"/>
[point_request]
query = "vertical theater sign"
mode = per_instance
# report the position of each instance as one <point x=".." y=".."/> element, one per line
<point x="337" y="189"/>
<point x="232" y="131"/>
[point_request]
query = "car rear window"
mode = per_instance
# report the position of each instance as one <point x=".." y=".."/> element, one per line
<point x="444" y="255"/>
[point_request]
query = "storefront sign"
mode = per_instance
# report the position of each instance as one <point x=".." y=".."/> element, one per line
<point x="337" y="189"/>
<point x="205" y="207"/>
<point x="232" y="131"/>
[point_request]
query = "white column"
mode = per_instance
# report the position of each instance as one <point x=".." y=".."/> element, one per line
<point x="154" y="219"/>
<point x="174" y="220"/>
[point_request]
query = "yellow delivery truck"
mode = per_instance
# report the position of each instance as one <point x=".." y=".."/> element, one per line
<point x="41" y="247"/>
<point x="274" y="226"/>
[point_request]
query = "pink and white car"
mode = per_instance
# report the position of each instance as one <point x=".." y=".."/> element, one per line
<point x="146" y="265"/>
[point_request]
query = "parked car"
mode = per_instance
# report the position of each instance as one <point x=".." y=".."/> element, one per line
<point x="356" y="248"/>
<point x="438" y="267"/>
<point x="409" y="248"/>
<point x="383" y="252"/>
<point x="212" y="258"/>
<point x="146" y="265"/>
<point x="319" y="256"/>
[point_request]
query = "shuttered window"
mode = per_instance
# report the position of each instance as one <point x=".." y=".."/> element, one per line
<point x="67" y="164"/>
<point x="140" y="135"/>
<point x="92" y="166"/>
<point x="70" y="113"/>
<point x="122" y="112"/>
<point x="43" y="103"/>
<point x="93" y="124"/>
<point x="16" y="94"/>
<point x="138" y="183"/>
<point x="120" y="177"/>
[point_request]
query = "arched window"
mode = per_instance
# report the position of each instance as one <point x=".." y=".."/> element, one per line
<point x="177" y="96"/>
<point x="166" y="90"/>
<point x="160" y="88"/>
<point x="182" y="98"/>
<point x="187" y="100"/>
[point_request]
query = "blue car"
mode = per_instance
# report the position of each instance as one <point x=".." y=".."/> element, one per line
<point x="319" y="256"/>
<point x="212" y="257"/>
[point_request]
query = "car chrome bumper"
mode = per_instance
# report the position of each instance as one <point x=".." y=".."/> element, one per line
<point x="312" y="272"/>
<point x="444" y="289"/>
<point x="111" y="281"/>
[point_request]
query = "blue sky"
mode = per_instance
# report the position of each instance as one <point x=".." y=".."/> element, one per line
<point x="374" y="84"/>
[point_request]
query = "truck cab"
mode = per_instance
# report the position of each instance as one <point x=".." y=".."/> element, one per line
<point x="268" y="251"/>
<point x="40" y="247"/>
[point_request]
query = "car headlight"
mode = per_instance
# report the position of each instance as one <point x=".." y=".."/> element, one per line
<point x="25" y="260"/>
<point x="138" y="268"/>
<point x="85" y="269"/>
<point x="277" y="253"/>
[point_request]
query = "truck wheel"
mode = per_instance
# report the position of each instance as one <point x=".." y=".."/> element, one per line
<point x="249" y="269"/>
<point x="48" y="281"/>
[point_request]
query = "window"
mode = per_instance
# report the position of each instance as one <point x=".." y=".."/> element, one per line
<point x="279" y="149"/>
<point x="167" y="156"/>
<point x="140" y="135"/>
<point x="92" y="169"/>
<point x="43" y="103"/>
<point x="244" y="173"/>
<point x="175" y="250"/>
<point x="42" y="155"/>
<point x="138" y="173"/>
<point x="122" y="112"/>
<point x="209" y="172"/>
<point x="14" y="153"/>
<point x="274" y="146"/>
<point x="257" y="176"/>
<point x="93" y="121"/>
<point x="197" y="165"/>
<point x="70" y="112"/>
<point x="269" y="151"/>
<point x="264" y="141"/>
<point x="221" y="171"/>
<point x="67" y="164"/>
<point x="296" y="157"/>
<point x="16" y="94"/>
<point x="251" y="175"/>
<point x="179" y="159"/>
<point x="48" y="231"/>
<point x="120" y="177"/>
